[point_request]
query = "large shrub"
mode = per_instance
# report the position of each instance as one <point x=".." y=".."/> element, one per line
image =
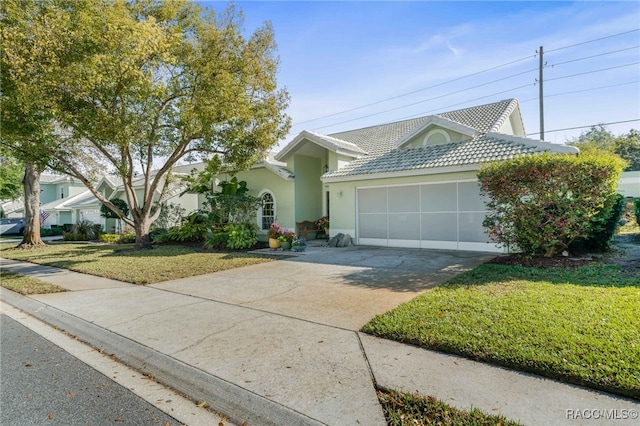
<point x="602" y="227"/>
<point x="193" y="228"/>
<point x="541" y="204"/>
<point x="636" y="210"/>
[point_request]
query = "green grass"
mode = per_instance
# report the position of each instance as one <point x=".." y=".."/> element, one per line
<point x="630" y="227"/>
<point x="122" y="262"/>
<point x="580" y="325"/>
<point x="412" y="409"/>
<point x="26" y="285"/>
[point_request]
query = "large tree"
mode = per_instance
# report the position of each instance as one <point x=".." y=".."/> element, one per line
<point x="26" y="113"/>
<point x="140" y="85"/>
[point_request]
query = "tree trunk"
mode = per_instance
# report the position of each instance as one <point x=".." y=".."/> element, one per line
<point x="143" y="239"/>
<point x="31" y="185"/>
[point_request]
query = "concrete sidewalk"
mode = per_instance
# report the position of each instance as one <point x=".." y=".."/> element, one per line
<point x="263" y="363"/>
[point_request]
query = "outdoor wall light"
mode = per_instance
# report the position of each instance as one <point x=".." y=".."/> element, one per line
<point x="326" y="168"/>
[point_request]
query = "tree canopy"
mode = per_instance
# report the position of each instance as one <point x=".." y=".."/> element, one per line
<point x="138" y="86"/>
<point x="627" y="146"/>
<point x="11" y="172"/>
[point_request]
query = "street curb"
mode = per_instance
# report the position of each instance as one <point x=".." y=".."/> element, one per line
<point x="236" y="403"/>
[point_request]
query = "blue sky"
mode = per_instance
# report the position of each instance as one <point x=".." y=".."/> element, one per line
<point x="339" y="56"/>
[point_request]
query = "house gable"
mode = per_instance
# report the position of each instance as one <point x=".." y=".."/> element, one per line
<point x="314" y="144"/>
<point x="436" y="131"/>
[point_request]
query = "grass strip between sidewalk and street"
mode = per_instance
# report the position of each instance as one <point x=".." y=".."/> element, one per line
<point x="122" y="262"/>
<point x="403" y="409"/>
<point x="26" y="285"/>
<point x="577" y="325"/>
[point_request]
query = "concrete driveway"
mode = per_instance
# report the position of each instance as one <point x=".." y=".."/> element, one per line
<point x="339" y="287"/>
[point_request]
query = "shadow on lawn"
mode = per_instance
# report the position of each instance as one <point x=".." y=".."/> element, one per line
<point x="593" y="275"/>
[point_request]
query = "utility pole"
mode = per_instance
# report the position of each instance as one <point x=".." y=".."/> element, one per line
<point x="541" y="95"/>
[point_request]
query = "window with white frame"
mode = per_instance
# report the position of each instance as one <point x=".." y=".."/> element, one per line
<point x="267" y="211"/>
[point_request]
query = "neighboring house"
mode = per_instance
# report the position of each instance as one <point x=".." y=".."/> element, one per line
<point x="80" y="203"/>
<point x="52" y="188"/>
<point x="410" y="183"/>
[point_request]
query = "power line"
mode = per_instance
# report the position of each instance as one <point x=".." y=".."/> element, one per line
<point x="416" y="91"/>
<point x="579" y="91"/>
<point x="591" y="125"/>
<point x="429" y="99"/>
<point x="594" y="40"/>
<point x="593" y="71"/>
<point x="459" y="103"/>
<point x="592" y="56"/>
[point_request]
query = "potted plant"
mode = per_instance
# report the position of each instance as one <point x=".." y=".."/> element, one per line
<point x="323" y="223"/>
<point x="274" y="234"/>
<point x="286" y="239"/>
<point x="299" y="244"/>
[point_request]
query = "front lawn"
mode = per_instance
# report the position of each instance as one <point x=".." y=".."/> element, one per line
<point x="579" y="325"/>
<point x="26" y="285"/>
<point x="122" y="262"/>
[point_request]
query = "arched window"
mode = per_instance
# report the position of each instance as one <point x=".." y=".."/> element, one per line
<point x="268" y="211"/>
<point x="436" y="137"/>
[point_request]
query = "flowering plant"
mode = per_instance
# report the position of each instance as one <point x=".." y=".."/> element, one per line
<point x="323" y="223"/>
<point x="299" y="242"/>
<point x="286" y="235"/>
<point x="274" y="231"/>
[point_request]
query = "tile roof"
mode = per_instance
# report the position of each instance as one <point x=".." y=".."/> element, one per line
<point x="485" y="146"/>
<point x="382" y="138"/>
<point x="479" y="150"/>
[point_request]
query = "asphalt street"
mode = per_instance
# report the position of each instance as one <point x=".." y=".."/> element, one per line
<point x="41" y="384"/>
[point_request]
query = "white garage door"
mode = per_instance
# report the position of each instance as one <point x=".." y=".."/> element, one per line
<point x="438" y="215"/>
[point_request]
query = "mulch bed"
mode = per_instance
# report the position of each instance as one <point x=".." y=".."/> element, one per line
<point x="544" y="262"/>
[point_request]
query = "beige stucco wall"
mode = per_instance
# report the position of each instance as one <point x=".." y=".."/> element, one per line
<point x="308" y="188"/>
<point x="261" y="179"/>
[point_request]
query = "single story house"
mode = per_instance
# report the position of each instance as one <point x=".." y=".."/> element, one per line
<point x="410" y="183"/>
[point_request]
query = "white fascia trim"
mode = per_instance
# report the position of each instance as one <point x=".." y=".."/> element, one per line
<point x="317" y="139"/>
<point x="404" y="173"/>
<point x="284" y="174"/>
<point x="535" y="143"/>
<point x="106" y="181"/>
<point x="440" y="122"/>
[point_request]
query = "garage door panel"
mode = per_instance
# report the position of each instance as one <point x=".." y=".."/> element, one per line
<point x="373" y="225"/>
<point x="404" y="199"/>
<point x="428" y="215"/>
<point x="372" y="200"/>
<point x="439" y="227"/>
<point x="438" y="197"/>
<point x="404" y="226"/>
<point x="469" y="198"/>
<point x="471" y="228"/>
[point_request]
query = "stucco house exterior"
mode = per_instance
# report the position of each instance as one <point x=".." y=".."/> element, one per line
<point x="410" y="183"/>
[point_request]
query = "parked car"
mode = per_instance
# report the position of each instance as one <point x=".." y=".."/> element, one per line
<point x="13" y="225"/>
